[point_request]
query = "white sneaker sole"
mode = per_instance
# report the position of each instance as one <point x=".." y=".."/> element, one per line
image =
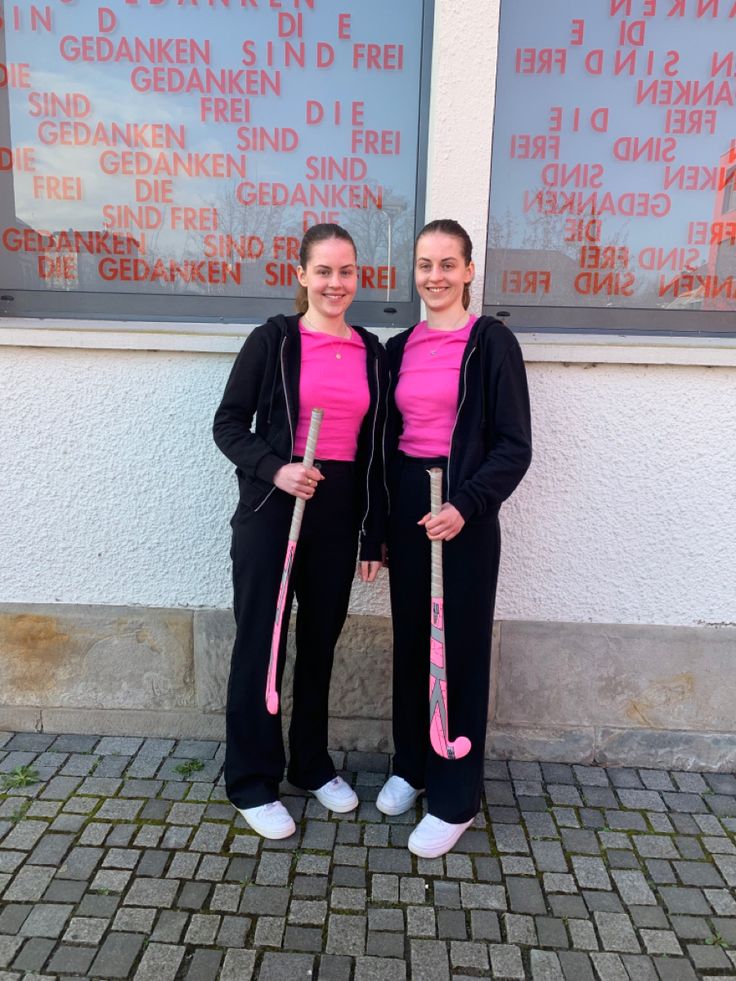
<point x="337" y="807"/>
<point x="265" y="832"/>
<point x="392" y="810"/>
<point x="438" y="850"/>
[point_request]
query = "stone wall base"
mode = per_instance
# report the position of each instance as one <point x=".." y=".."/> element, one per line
<point x="615" y="694"/>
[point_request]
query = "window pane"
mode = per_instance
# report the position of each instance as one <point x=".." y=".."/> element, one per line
<point x="171" y="155"/>
<point x="614" y="157"/>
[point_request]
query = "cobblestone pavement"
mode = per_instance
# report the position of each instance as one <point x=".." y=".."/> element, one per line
<point x="122" y="859"/>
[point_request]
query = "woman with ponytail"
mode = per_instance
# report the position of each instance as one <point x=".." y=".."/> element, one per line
<point x="287" y="367"/>
<point x="458" y="401"/>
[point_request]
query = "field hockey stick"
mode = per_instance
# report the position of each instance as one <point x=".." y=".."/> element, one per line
<point x="438" y="722"/>
<point x="272" y="695"/>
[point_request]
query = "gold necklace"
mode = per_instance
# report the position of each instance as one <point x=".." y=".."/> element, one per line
<point x="337" y="349"/>
<point x="456" y="326"/>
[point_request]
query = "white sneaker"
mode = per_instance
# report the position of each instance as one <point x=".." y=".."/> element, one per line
<point x="433" y="837"/>
<point x="396" y="796"/>
<point x="269" y="820"/>
<point x="336" y="795"/>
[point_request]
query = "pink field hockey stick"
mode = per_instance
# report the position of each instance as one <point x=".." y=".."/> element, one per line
<point x="272" y="695"/>
<point x="438" y="723"/>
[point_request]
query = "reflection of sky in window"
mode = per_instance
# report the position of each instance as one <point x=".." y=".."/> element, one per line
<point x="391" y="101"/>
<point x="524" y="101"/>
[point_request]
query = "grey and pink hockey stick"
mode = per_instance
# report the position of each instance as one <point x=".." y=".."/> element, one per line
<point x="438" y="722"/>
<point x="272" y="695"/>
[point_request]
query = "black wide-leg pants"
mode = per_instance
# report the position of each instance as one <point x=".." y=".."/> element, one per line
<point x="321" y="578"/>
<point x="470" y="567"/>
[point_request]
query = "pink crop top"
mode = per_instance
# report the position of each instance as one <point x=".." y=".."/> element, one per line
<point x="428" y="387"/>
<point x="339" y="385"/>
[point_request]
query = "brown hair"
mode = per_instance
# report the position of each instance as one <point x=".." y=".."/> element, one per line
<point x="448" y="226"/>
<point x="313" y="235"/>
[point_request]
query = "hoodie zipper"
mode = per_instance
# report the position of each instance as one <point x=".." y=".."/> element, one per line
<point x="288" y="416"/>
<point x="383" y="445"/>
<point x="457" y="415"/>
<point x="370" y="459"/>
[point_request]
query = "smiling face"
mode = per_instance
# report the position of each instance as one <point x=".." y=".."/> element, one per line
<point x="441" y="273"/>
<point x="330" y="279"/>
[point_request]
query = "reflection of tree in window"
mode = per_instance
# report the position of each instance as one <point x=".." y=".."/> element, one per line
<point x="729" y="192"/>
<point x="726" y="259"/>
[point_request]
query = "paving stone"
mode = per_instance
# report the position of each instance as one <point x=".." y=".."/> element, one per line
<point x="346" y="934"/>
<point x="540" y="825"/>
<point x="95" y="905"/>
<point x="517" y="865"/>
<point x="609" y="967"/>
<point x="134" y="920"/>
<point x="379" y="969"/>
<point x="193" y="895"/>
<point x="649" y="916"/>
<point x="582" y="934"/>
<point x="421" y="921"/>
<point x="151" y="892"/>
<point x="80" y="863"/>
<point x="384" y="945"/>
<point x="25" y="835"/>
<point x="684" y="900"/>
<point x="641" y="800"/>
<point x="590" y="872"/>
<point x="675" y="969"/>
<point x="605" y="902"/>
<point x="306" y="912"/>
<point x="616" y="932"/>
<point x="551" y="932"/>
<point x="111" y="880"/>
<point x="506" y="961"/>
<point x="559" y="882"/>
<point x="625" y="821"/>
<point x="117" y="954"/>
<point x="478" y="896"/>
<point x="655" y="846"/>
<point x="468" y="954"/>
<point x="160" y="962"/>
<point x="307" y="939"/>
<point x="575" y="966"/>
<point x="8" y="949"/>
<point x="273" y="869"/>
<point x="510" y="838"/>
<point x="545" y="966"/>
<point x="451" y="925"/>
<point x="549" y="857"/>
<point x="170" y="926"/>
<point x="46" y="920"/>
<point x="33" y="955"/>
<point x="29" y="884"/>
<point x="639" y="967"/>
<point x="71" y="960"/>
<point x="661" y="942"/>
<point x="633" y="888"/>
<point x="429" y="961"/>
<point x="12" y="916"/>
<point x="385" y="888"/>
<point x="204" y="965"/>
<point x="708" y="957"/>
<point x="343" y="875"/>
<point x="619" y="859"/>
<point x="519" y="929"/>
<point x="269" y="931"/>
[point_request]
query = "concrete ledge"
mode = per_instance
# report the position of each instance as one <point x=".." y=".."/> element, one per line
<point x="616" y="694"/>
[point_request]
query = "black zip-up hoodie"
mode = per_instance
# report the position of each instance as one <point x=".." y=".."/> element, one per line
<point x="491" y="444"/>
<point x="264" y="382"/>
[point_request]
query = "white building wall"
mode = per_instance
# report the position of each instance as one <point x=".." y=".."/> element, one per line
<point x="113" y="492"/>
